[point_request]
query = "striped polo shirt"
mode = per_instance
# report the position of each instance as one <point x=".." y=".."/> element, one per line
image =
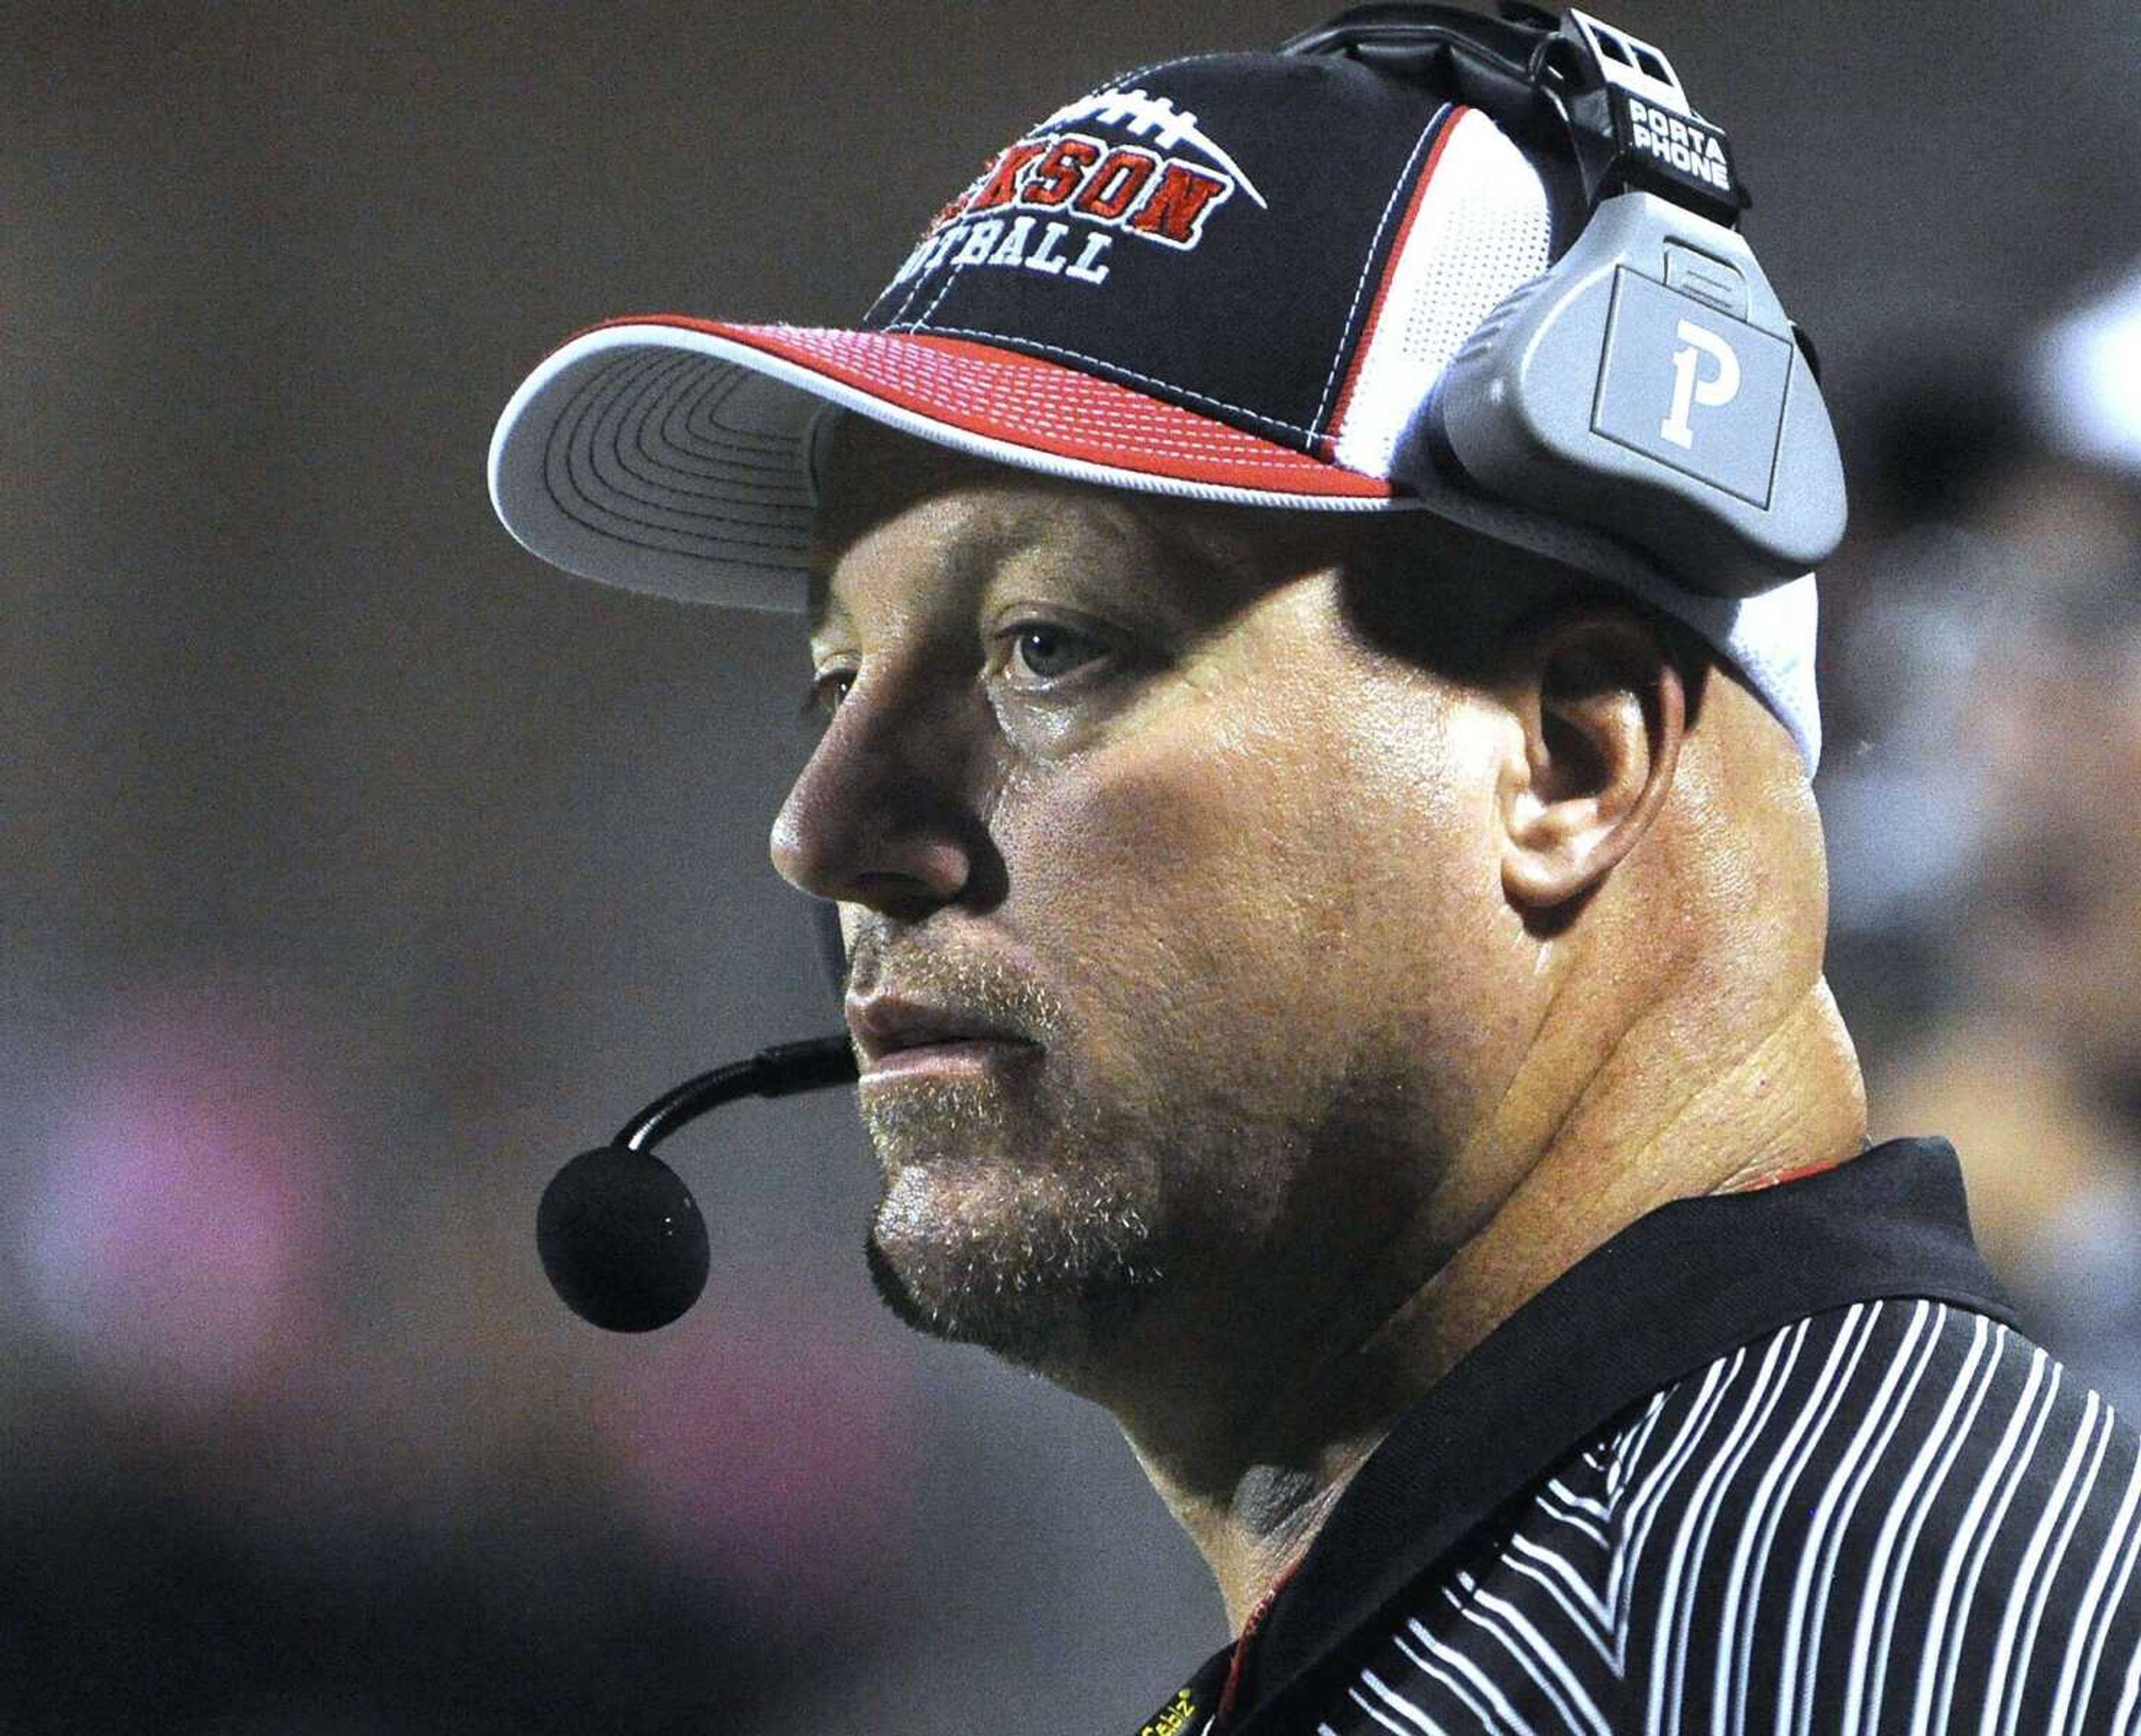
<point x="1775" y="1461"/>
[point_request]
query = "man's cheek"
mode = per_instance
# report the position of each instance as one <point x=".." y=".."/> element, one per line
<point x="1136" y="822"/>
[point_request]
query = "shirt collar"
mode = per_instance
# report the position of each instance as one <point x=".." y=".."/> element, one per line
<point x="1678" y="1288"/>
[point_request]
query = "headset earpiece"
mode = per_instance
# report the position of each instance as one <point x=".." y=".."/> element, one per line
<point x="1649" y="384"/>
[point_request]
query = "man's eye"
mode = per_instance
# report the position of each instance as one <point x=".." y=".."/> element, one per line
<point x="1048" y="652"/>
<point x="1041" y="651"/>
<point x="824" y="694"/>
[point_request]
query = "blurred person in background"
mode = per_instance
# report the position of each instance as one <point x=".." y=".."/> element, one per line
<point x="1998" y="845"/>
<point x="1341" y="987"/>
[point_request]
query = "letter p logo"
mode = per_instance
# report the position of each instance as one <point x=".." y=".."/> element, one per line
<point x="1720" y="388"/>
<point x="1738" y="373"/>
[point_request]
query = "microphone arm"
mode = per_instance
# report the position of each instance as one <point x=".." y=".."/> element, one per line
<point x="620" y="1235"/>
<point x="782" y="1070"/>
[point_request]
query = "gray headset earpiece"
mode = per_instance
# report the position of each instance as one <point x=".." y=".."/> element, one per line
<point x="1650" y="384"/>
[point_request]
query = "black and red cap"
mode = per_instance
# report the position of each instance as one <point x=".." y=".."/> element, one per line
<point x="1232" y="276"/>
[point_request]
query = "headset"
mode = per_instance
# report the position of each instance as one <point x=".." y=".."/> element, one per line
<point x="1549" y="404"/>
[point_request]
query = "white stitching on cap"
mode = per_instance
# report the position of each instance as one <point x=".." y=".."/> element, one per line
<point x="1041" y="412"/>
<point x="1110" y="83"/>
<point x="921" y="320"/>
<point x="913" y="289"/>
<point x="1028" y="343"/>
<point x="1037" y="404"/>
<point x="1367" y="265"/>
<point x="921" y="277"/>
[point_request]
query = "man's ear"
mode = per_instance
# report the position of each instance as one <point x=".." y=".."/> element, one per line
<point x="1603" y="710"/>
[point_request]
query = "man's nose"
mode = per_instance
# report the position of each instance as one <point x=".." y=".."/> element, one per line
<point x="880" y="815"/>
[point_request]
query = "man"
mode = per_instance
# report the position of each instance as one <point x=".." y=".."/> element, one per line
<point x="1334" y="948"/>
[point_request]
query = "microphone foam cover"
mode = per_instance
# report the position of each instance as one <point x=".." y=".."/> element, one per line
<point x="622" y="1240"/>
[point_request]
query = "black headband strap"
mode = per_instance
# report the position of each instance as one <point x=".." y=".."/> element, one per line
<point x="1543" y="82"/>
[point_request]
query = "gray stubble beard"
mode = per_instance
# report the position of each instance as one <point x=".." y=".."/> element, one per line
<point x="1004" y="1226"/>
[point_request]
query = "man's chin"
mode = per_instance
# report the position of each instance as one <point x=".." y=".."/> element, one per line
<point x="1050" y="1340"/>
<point x="1049" y="1291"/>
<point x="934" y="1316"/>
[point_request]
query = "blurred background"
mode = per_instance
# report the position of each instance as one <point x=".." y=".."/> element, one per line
<point x="358" y="867"/>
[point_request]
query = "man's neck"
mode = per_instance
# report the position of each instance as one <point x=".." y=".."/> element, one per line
<point x="1253" y="1498"/>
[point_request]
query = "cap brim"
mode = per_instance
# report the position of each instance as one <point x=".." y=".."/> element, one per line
<point x="675" y="455"/>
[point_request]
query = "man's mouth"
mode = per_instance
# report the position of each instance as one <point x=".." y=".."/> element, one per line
<point x="896" y="1035"/>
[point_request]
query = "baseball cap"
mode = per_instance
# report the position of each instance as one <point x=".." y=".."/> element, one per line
<point x="1230" y="277"/>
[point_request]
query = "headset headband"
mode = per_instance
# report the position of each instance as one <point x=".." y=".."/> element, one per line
<point x="1574" y="86"/>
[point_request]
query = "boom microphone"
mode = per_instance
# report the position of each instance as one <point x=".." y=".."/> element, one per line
<point x="620" y="1235"/>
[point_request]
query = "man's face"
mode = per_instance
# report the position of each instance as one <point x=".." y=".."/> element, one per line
<point x="1159" y="787"/>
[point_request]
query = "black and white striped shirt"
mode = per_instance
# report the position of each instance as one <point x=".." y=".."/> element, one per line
<point x="1773" y="1463"/>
